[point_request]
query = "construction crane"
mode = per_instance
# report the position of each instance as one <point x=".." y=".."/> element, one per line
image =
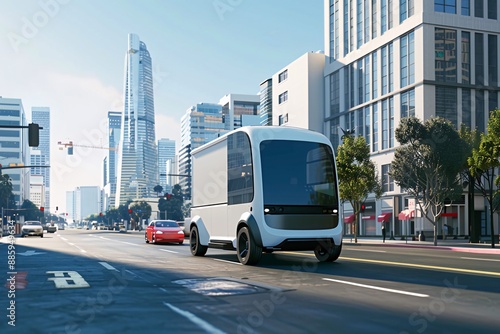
<point x="69" y="145"/>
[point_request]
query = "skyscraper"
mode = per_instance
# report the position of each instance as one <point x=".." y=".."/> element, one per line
<point x="137" y="172"/>
<point x="41" y="116"/>
<point x="109" y="177"/>
<point x="166" y="157"/>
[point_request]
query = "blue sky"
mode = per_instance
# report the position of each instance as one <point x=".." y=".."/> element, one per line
<point x="69" y="55"/>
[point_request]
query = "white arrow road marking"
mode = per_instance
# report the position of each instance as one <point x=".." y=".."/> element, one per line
<point x="108" y="266"/>
<point x="67" y="279"/>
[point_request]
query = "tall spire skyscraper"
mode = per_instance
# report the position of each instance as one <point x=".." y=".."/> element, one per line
<point x="137" y="172"/>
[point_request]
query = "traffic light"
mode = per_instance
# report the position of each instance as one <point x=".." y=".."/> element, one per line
<point x="130" y="211"/>
<point x="42" y="209"/>
<point x="168" y="196"/>
<point x="57" y="208"/>
<point x="33" y="134"/>
<point x="363" y="208"/>
<point x="100" y="214"/>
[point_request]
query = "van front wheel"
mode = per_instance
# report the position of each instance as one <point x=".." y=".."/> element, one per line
<point x="248" y="251"/>
<point x="197" y="249"/>
<point x="329" y="254"/>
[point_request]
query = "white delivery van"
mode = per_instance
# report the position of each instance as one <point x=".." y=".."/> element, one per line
<point x="264" y="189"/>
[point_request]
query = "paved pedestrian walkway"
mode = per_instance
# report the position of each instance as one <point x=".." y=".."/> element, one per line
<point x="459" y="244"/>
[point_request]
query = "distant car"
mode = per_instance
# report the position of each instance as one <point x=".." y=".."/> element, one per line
<point x="51" y="228"/>
<point x="32" y="227"/>
<point x="164" y="231"/>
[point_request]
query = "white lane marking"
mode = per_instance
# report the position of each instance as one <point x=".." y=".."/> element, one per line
<point x="64" y="239"/>
<point x="225" y="261"/>
<point x="72" y="244"/>
<point x="366" y="250"/>
<point x="107" y="266"/>
<point x="164" y="290"/>
<point x="476" y="258"/>
<point x="169" y="251"/>
<point x="200" y="322"/>
<point x="378" y="288"/>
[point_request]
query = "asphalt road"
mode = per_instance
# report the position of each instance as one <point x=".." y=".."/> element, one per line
<point x="76" y="281"/>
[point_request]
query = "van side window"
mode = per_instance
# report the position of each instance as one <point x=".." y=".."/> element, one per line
<point x="239" y="169"/>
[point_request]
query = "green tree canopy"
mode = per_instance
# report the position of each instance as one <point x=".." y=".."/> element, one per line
<point x="172" y="206"/>
<point x="428" y="163"/>
<point x="483" y="164"/>
<point x="357" y="174"/>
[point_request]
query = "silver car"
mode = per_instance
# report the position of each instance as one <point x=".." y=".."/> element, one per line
<point x="32" y="227"/>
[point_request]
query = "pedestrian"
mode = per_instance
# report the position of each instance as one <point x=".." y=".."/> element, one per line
<point x="445" y="231"/>
<point x="383" y="231"/>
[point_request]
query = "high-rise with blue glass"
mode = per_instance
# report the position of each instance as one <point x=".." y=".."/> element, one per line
<point x="137" y="169"/>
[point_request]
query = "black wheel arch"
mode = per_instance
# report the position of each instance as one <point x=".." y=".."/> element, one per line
<point x="253" y="227"/>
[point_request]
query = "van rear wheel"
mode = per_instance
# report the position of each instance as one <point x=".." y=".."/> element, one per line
<point x="248" y="251"/>
<point x="197" y="249"/>
<point x="329" y="254"/>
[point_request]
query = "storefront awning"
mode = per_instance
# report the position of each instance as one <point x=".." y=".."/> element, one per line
<point x="449" y="214"/>
<point x="406" y="214"/>
<point x="384" y="217"/>
<point x="349" y="219"/>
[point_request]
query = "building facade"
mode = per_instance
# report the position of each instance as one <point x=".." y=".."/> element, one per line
<point x="41" y="116"/>
<point x="298" y="93"/>
<point x="266" y="102"/>
<point x="391" y="59"/>
<point x="137" y="170"/>
<point x="37" y="190"/>
<point x="166" y="160"/>
<point x="14" y="149"/>
<point x="110" y="161"/>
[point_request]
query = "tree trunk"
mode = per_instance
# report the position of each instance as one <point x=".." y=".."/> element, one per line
<point x="435" y="233"/>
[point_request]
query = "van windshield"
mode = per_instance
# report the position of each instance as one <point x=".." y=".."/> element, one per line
<point x="298" y="173"/>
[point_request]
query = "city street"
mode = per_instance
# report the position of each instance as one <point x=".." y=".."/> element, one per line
<point x="79" y="281"/>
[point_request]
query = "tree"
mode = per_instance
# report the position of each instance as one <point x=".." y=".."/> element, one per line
<point x="141" y="210"/>
<point x="158" y="189"/>
<point x="472" y="139"/>
<point x="428" y="163"/>
<point x="357" y="175"/>
<point x="30" y="211"/>
<point x="6" y="192"/>
<point x="172" y="206"/>
<point x="483" y="164"/>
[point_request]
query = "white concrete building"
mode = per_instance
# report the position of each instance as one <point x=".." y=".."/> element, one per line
<point x="37" y="190"/>
<point x="298" y="93"/>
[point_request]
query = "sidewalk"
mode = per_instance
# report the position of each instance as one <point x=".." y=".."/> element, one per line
<point x="459" y="245"/>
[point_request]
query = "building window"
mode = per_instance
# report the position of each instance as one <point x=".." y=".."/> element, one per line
<point x="351" y="85"/>
<point x="337" y="29"/>
<point x="478" y="8"/>
<point x="383" y="16"/>
<point x="391" y="68"/>
<point x="385" y="70"/>
<point x="466" y="108"/>
<point x="492" y="100"/>
<point x="407" y="43"/>
<point x="408" y="103"/>
<point x="375" y="75"/>
<point x="492" y="60"/>
<point x="283" y="76"/>
<point x="465" y="57"/>
<point x="335" y="93"/>
<point x="351" y="25"/>
<point x="385" y="124"/>
<point x="346" y="87"/>
<point x="334" y="133"/>
<point x="446" y="103"/>
<point x="375" y="128"/>
<point x="367" y="78"/>
<point x="367" y="126"/>
<point x="479" y="55"/>
<point x="387" y="181"/>
<point x="406" y="9"/>
<point x="359" y="23"/>
<point x="283" y="97"/>
<point x="366" y="11"/>
<point x="282" y="119"/>
<point x="361" y="83"/>
<point x="346" y="27"/>
<point x="480" y="123"/>
<point x="492" y="9"/>
<point x="445" y="44"/>
<point x="445" y="6"/>
<point x="465" y="7"/>
<point x="374" y="18"/>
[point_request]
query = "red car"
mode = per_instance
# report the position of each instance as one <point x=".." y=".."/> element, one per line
<point x="164" y="231"/>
